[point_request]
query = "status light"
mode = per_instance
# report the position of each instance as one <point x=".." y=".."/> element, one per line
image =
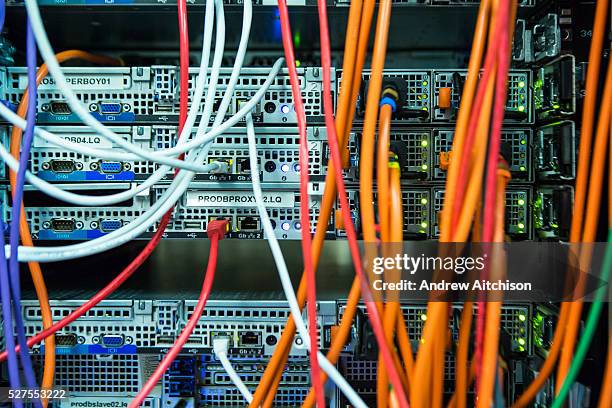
<point x="285" y="109"/>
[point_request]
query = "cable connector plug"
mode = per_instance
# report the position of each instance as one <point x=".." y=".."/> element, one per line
<point x="221" y="345"/>
<point x="217" y="228"/>
<point x="222" y="167"/>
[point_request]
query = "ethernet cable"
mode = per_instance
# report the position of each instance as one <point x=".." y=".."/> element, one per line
<point x="120" y="236"/>
<point x="78" y="108"/>
<point x="283" y="274"/>
<point x="214" y="167"/>
<point x="126" y="273"/>
<point x="269" y="381"/>
<point x="220" y="348"/>
<point x="7" y="322"/>
<point x="13" y="264"/>
<point x="145" y="220"/>
<point x="216" y="231"/>
<point x="161" y="157"/>
<point x="304" y="206"/>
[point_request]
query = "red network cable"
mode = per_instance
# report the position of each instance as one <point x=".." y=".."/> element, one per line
<point x="332" y="140"/>
<point x="183" y="60"/>
<point x="311" y="288"/>
<point x="215" y="230"/>
<point x="501" y="91"/>
<point x="161" y="229"/>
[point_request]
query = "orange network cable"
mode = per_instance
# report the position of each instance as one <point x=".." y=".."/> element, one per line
<point x="605" y="395"/>
<point x="467" y="99"/>
<point x="584" y="151"/>
<point x="463" y="347"/>
<point x="559" y="346"/>
<point x="436" y="310"/>
<point x="26" y="237"/>
<point x="271" y="377"/>
<point x="388" y="208"/>
<point x="349" y="71"/>
<point x="488" y="376"/>
<point x="362" y="50"/>
<point x="366" y="162"/>
<point x="269" y="383"/>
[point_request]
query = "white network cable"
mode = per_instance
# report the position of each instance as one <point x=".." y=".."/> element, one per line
<point x="145" y="220"/>
<point x="85" y="200"/>
<point x="137" y="152"/>
<point x="75" y="104"/>
<point x="152" y="214"/>
<point x="220" y="347"/>
<point x="283" y="274"/>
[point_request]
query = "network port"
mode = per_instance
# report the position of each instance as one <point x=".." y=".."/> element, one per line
<point x="112" y="340"/>
<point x="109" y="225"/>
<point x="63" y="224"/>
<point x="552" y="212"/>
<point x="228" y="218"/>
<point x="110" y="167"/>
<point x="110" y="108"/>
<point x="555" y="151"/>
<point x="243" y="165"/>
<point x="249" y="339"/>
<point x="225" y="160"/>
<point x="66" y="340"/>
<point x="62" y="166"/>
<point x="249" y="224"/>
<point x="59" y="108"/>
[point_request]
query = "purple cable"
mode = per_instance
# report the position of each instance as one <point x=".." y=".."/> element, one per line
<point x="5" y="296"/>
<point x="26" y="361"/>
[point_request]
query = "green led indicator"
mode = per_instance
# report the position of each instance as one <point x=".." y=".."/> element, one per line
<point x="425" y="83"/>
<point x="424" y="225"/>
<point x="423" y="316"/>
<point x="521" y="84"/>
<point x="521" y="108"/>
<point x="521" y="225"/>
<point x="521" y="341"/>
<point x="298" y="63"/>
<point x="521" y="202"/>
<point x="522" y="168"/>
<point x="522" y="317"/>
<point x="523" y="142"/>
<point x="423" y="201"/>
<point x="424" y="143"/>
<point x="424" y="167"/>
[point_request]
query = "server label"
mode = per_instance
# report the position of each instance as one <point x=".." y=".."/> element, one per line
<point x="273" y="199"/>
<point x="81" y="82"/>
<point x="91" y="139"/>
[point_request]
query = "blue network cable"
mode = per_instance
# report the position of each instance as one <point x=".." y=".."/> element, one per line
<point x="5" y="296"/>
<point x="26" y="361"/>
<point x="5" y="292"/>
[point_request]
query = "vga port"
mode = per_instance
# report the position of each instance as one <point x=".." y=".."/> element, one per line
<point x="62" y="166"/>
<point x="63" y="224"/>
<point x="110" y="108"/>
<point x="59" y="108"/>
<point x="111" y="166"/>
<point x="110" y="225"/>
<point x="112" y="340"/>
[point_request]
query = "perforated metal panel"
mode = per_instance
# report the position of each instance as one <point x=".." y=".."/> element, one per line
<point x="517" y="217"/>
<point x="77" y="223"/>
<point x="517" y="142"/>
<point x="519" y="104"/>
<point x="416" y="207"/>
<point x="151" y="93"/>
<point x="189" y="219"/>
<point x="418" y="98"/>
